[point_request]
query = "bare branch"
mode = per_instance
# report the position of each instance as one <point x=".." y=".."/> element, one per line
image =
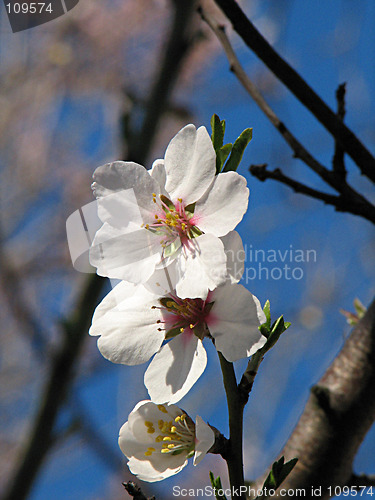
<point x="342" y="203"/>
<point x="135" y="491"/>
<point x="295" y="83"/>
<point x="361" y="480"/>
<point x="175" y="51"/>
<point x="338" y="158"/>
<point x="350" y="200"/>
<point x="55" y="391"/>
<point x="337" y="416"/>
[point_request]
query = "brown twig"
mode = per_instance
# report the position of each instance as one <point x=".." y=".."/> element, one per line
<point x="349" y="200"/>
<point x="341" y="203"/>
<point x="295" y="83"/>
<point x="135" y="491"/>
<point x="338" y="158"/>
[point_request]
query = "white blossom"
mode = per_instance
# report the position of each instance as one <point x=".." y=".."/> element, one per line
<point x="159" y="439"/>
<point x="171" y="216"/>
<point x="134" y="322"/>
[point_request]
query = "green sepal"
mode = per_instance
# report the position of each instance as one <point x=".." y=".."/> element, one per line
<point x="279" y="472"/>
<point x="164" y="301"/>
<point x="218" y="129"/>
<point x="217" y="486"/>
<point x="178" y="452"/>
<point x="173" y="332"/>
<point x="221" y="155"/>
<point x="167" y="201"/>
<point x="171" y="248"/>
<point x="195" y="232"/>
<point x="190" y="208"/>
<point x="238" y="150"/>
<point x="266" y="327"/>
<point x="277" y="329"/>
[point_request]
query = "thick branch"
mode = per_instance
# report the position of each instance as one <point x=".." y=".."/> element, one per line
<point x="295" y="83"/>
<point x="337" y="416"/>
<point x="342" y="203"/>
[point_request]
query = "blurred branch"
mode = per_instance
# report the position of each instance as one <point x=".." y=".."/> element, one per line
<point x="361" y="480"/>
<point x="135" y="491"/>
<point x="338" y="158"/>
<point x="295" y="83"/>
<point x="349" y="200"/>
<point x="55" y="391"/>
<point x="178" y="44"/>
<point x="337" y="416"/>
<point x="13" y="291"/>
<point x="75" y="328"/>
<point x="341" y="203"/>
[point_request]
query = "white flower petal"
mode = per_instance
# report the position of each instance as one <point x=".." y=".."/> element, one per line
<point x="127" y="325"/>
<point x="163" y="280"/>
<point x="233" y="322"/>
<point x="190" y="164"/>
<point x="204" y="439"/>
<point x="129" y="255"/>
<point x="130" y="186"/>
<point x="175" y="368"/>
<point x="235" y="253"/>
<point x="222" y="207"/>
<point x="150" y="412"/>
<point x="200" y="267"/>
<point x="146" y="471"/>
<point x="158" y="173"/>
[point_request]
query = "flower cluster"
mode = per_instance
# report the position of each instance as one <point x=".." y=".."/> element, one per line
<point x="168" y="235"/>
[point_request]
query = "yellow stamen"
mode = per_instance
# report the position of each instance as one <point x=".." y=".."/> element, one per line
<point x="162" y="409"/>
<point x="173" y="429"/>
<point x="167" y="438"/>
<point x="191" y="326"/>
<point x="181" y="330"/>
<point x="158" y="439"/>
<point x="177" y="419"/>
<point x="164" y="451"/>
<point x="170" y="446"/>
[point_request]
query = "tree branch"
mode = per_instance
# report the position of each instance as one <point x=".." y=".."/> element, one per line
<point x="135" y="491"/>
<point x="342" y="203"/>
<point x="338" y="158"/>
<point x="177" y="47"/>
<point x="350" y="200"/>
<point x="295" y="83"/>
<point x="233" y="456"/>
<point x="337" y="416"/>
<point x="55" y="391"/>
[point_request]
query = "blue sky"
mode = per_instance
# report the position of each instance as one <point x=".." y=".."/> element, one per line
<point x="328" y="43"/>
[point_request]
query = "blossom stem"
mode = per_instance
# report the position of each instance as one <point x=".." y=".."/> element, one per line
<point x="234" y="457"/>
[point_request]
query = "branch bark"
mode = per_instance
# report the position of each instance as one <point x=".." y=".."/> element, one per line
<point x="297" y="85"/>
<point x="337" y="416"/>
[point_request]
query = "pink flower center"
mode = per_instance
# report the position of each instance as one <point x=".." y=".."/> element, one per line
<point x="184" y="315"/>
<point x="173" y="222"/>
